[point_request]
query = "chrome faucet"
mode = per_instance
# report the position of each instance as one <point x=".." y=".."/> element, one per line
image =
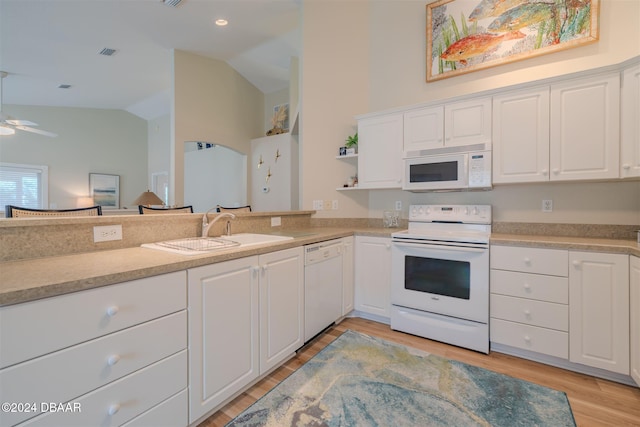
<point x="206" y="225"/>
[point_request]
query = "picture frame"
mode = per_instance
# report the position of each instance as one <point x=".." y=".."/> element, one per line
<point x="105" y="190"/>
<point x="470" y="35"/>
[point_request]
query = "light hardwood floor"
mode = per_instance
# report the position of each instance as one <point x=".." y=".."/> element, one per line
<point x="594" y="402"/>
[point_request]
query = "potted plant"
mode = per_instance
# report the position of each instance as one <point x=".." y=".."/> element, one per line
<point x="352" y="143"/>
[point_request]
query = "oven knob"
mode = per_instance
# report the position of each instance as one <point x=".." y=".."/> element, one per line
<point x="428" y="210"/>
<point x="466" y="210"/>
<point x="475" y="210"/>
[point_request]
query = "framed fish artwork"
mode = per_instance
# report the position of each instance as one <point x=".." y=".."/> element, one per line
<point x="470" y="35"/>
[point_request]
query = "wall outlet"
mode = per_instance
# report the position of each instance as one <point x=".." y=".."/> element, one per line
<point x="317" y="205"/>
<point x="398" y="205"/>
<point x="276" y="221"/>
<point x="334" y="205"/>
<point x="547" y="206"/>
<point x="105" y="233"/>
<point x="327" y="205"/>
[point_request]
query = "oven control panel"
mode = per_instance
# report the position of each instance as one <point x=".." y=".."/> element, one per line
<point x="467" y="214"/>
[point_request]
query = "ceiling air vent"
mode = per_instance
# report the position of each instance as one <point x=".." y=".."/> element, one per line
<point x="172" y="3"/>
<point x="107" y="51"/>
<point x="64" y="86"/>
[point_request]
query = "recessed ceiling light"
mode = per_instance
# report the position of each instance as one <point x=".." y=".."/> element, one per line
<point x="221" y="22"/>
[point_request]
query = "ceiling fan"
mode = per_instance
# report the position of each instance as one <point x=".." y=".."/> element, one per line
<point x="8" y="124"/>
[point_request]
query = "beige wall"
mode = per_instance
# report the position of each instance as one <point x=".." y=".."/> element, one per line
<point x="212" y="103"/>
<point x="89" y="140"/>
<point x="334" y="87"/>
<point x="374" y="59"/>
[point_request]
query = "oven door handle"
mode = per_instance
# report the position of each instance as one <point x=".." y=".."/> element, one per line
<point x="442" y="247"/>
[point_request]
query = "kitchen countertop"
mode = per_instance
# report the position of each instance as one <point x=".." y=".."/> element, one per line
<point x="32" y="279"/>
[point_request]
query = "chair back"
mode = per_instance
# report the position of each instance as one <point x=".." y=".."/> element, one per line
<point x="149" y="210"/>
<point x="18" y="212"/>
<point x="239" y="209"/>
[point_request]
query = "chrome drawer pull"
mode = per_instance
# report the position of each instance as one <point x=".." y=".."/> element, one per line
<point x="113" y="310"/>
<point x="113" y="409"/>
<point x="112" y="360"/>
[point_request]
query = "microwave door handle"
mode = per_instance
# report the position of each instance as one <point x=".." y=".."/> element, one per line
<point x="439" y="247"/>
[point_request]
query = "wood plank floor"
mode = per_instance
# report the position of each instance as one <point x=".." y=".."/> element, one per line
<point x="595" y="402"/>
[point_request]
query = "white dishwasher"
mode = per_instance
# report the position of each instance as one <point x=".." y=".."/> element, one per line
<point x="322" y="286"/>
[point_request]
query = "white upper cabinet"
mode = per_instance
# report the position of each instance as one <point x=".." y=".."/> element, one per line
<point x="457" y="123"/>
<point x="424" y="128"/>
<point x="630" y="123"/>
<point x="467" y="122"/>
<point x="585" y="128"/>
<point x="380" y="151"/>
<point x="521" y="136"/>
<point x="568" y="131"/>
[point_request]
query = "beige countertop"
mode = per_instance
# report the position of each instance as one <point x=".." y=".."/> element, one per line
<point x="32" y="279"/>
<point x="621" y="246"/>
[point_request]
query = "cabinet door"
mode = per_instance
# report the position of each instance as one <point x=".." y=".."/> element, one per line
<point x="521" y="136"/>
<point x="634" y="292"/>
<point x="223" y="332"/>
<point x="467" y="122"/>
<point x="373" y="275"/>
<point x="599" y="310"/>
<point x="424" y="128"/>
<point x="585" y="129"/>
<point x="630" y="123"/>
<point x="380" y="151"/>
<point x="281" y="306"/>
<point x="347" y="275"/>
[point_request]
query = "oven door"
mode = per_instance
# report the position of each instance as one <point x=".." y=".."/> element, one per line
<point x="448" y="280"/>
<point x="431" y="173"/>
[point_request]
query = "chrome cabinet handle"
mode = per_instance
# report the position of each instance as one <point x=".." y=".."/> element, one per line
<point x="113" y="359"/>
<point x="113" y="310"/>
<point x="113" y="409"/>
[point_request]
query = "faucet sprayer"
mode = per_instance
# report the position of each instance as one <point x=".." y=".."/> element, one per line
<point x="206" y="225"/>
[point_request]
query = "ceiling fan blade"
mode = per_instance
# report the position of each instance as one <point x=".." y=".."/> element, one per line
<point x="38" y="131"/>
<point x="17" y="122"/>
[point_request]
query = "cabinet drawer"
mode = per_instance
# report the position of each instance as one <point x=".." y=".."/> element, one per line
<point x="65" y="374"/>
<point x="531" y="312"/>
<point x="170" y="413"/>
<point x="527" y="285"/>
<point x="122" y="400"/>
<point x="554" y="262"/>
<point x="532" y="338"/>
<point x="54" y="323"/>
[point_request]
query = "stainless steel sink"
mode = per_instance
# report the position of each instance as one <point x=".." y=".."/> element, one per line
<point x="203" y="245"/>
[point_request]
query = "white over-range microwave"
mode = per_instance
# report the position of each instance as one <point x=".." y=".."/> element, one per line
<point x="448" y="169"/>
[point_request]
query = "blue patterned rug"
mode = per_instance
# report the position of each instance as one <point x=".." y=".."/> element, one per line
<point x="359" y="380"/>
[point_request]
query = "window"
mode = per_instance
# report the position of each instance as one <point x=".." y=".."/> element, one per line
<point x="24" y="185"/>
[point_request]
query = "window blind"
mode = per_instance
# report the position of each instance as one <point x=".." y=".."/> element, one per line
<point x="23" y="185"/>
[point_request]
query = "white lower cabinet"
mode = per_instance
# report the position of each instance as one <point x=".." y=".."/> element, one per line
<point x="107" y="354"/>
<point x="245" y="317"/>
<point x="599" y="310"/>
<point x="373" y="275"/>
<point x="634" y="292"/>
<point x="348" y="276"/>
<point x="529" y="299"/>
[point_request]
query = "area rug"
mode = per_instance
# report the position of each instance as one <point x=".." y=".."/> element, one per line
<point x="359" y="380"/>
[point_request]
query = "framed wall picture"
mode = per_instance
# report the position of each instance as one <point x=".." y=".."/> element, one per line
<point x="470" y="35"/>
<point x="105" y="190"/>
